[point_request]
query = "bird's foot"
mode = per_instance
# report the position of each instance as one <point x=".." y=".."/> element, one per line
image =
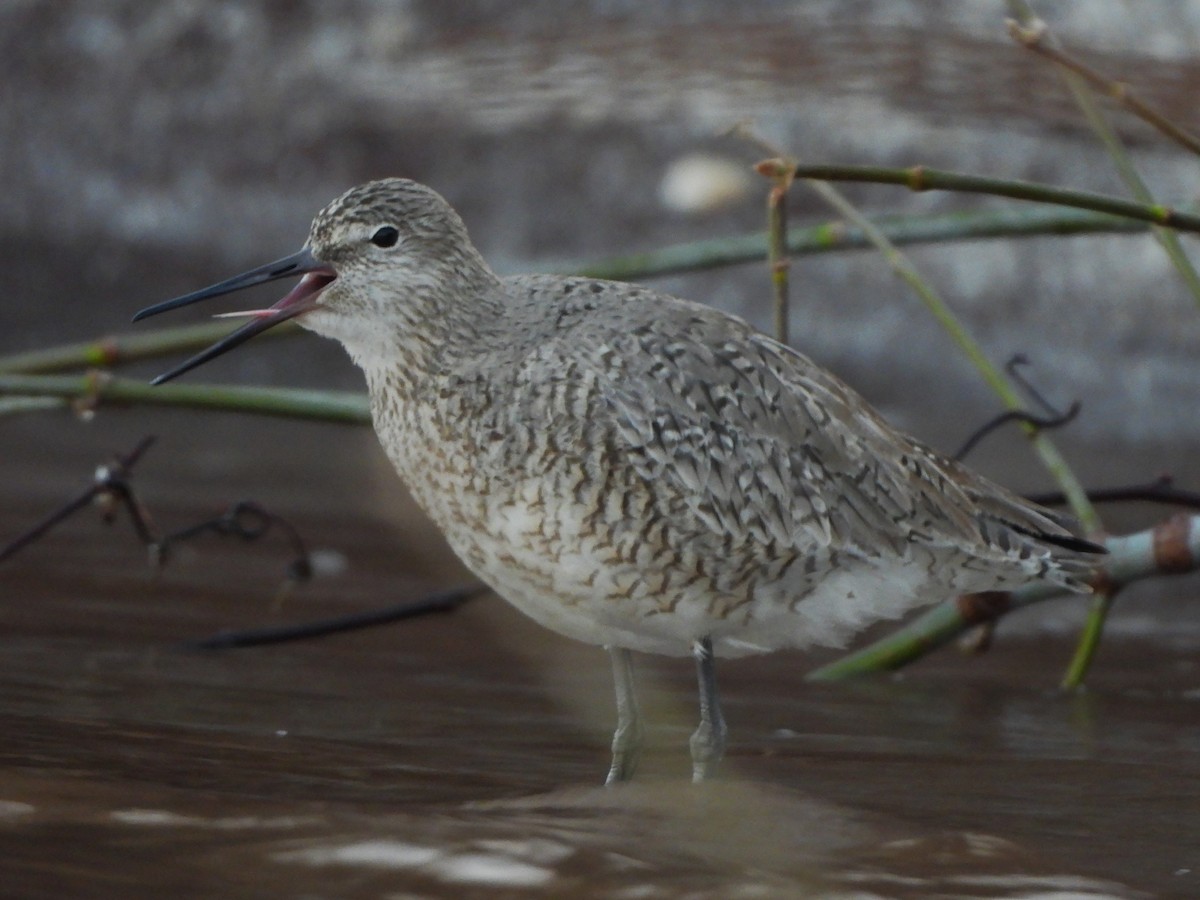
<point x="708" y="748"/>
<point x="626" y="751"/>
<point x="627" y="739"/>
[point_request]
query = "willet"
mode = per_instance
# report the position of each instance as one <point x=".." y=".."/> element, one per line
<point x="634" y="470"/>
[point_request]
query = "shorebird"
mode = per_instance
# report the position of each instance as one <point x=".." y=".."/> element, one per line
<point x="636" y="470"/>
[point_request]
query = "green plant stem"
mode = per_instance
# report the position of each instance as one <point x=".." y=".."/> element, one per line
<point x="117" y="349"/>
<point x="922" y="178"/>
<point x="837" y="235"/>
<point x="1168" y="239"/>
<point x="1089" y="639"/>
<point x="778" y="171"/>
<point x="18" y="404"/>
<point x="325" y="406"/>
<point x="777" y="258"/>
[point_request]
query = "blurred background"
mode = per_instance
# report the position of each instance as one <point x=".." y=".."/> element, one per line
<point x="149" y="148"/>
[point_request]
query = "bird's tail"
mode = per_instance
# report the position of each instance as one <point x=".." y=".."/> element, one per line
<point x="1040" y="541"/>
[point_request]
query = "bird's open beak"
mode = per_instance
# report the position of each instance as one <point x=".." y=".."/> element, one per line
<point x="301" y="299"/>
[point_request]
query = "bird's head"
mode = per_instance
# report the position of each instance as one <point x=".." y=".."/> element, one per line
<point x="368" y="253"/>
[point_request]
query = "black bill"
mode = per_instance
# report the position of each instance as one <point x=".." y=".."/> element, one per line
<point x="302" y="298"/>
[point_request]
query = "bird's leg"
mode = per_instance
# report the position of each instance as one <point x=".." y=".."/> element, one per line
<point x="708" y="743"/>
<point x="627" y="739"/>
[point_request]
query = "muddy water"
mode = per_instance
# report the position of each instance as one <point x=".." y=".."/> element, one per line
<point x="461" y="754"/>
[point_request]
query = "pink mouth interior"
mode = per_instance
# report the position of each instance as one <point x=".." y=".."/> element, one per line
<point x="303" y="296"/>
<point x="299" y="300"/>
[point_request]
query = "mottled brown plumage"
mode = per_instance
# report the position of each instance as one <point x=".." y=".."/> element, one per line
<point x="640" y="471"/>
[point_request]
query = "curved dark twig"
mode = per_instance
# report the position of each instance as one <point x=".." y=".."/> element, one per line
<point x="1161" y="490"/>
<point x="246" y="520"/>
<point x="1053" y="418"/>
<point x="443" y="601"/>
<point x="1013" y="368"/>
<point x="1014" y="415"/>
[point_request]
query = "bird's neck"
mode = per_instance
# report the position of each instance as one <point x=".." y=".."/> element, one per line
<point x="433" y="332"/>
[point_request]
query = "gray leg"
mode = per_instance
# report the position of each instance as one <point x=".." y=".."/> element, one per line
<point x="708" y="743"/>
<point x="627" y="739"/>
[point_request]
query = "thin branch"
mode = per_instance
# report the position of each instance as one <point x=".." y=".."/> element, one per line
<point x="1013" y="367"/>
<point x="1170" y="548"/>
<point x="118" y="349"/>
<point x="1032" y="34"/>
<point x="836" y="235"/>
<point x="11" y="406"/>
<point x="1161" y="490"/>
<point x="1053" y="418"/>
<point x="1015" y="415"/>
<point x="326" y="406"/>
<point x="779" y="171"/>
<point x="923" y="178"/>
<point x="446" y="601"/>
<point x="23" y="540"/>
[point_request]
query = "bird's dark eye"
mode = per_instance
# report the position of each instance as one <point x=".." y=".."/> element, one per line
<point x="385" y="237"/>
